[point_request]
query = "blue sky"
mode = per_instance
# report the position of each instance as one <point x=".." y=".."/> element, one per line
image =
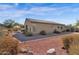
<point x="66" y="13"/>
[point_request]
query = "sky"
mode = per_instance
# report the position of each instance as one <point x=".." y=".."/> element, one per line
<point x="65" y="13"/>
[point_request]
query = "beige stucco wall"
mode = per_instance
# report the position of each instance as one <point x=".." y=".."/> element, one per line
<point x="48" y="28"/>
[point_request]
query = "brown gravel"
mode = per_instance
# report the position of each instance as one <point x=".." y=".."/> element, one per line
<point x="40" y="46"/>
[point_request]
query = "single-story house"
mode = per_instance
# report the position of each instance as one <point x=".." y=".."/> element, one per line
<point x="35" y="26"/>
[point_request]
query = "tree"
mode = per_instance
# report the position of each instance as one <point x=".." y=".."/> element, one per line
<point x="12" y="25"/>
<point x="70" y="25"/>
<point x="77" y="23"/>
<point x="9" y="23"/>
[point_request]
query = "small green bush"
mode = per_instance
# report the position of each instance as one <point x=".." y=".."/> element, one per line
<point x="67" y="30"/>
<point x="42" y="33"/>
<point x="57" y="32"/>
<point x="63" y="31"/>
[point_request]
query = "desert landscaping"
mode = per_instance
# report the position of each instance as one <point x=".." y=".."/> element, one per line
<point x="13" y="46"/>
<point x="39" y="29"/>
<point x="13" y="41"/>
<point x="41" y="46"/>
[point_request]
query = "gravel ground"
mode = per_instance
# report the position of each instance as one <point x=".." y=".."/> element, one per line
<point x="40" y="46"/>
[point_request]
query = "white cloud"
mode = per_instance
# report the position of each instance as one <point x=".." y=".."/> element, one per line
<point x="43" y="9"/>
<point x="13" y="12"/>
<point x="10" y="11"/>
<point x="5" y="7"/>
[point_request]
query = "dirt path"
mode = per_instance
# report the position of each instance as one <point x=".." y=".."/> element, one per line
<point x="40" y="46"/>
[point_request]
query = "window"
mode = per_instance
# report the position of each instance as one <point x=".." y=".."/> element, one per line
<point x="61" y="27"/>
<point x="58" y="27"/>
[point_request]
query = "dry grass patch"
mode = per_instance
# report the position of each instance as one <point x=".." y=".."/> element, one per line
<point x="8" y="45"/>
<point x="71" y="44"/>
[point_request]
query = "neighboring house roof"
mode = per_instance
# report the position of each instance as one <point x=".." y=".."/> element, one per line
<point x="42" y="21"/>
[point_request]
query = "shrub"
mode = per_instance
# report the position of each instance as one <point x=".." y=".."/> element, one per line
<point x="63" y="31"/>
<point x="42" y="33"/>
<point x="72" y="29"/>
<point x="68" y="30"/>
<point x="77" y="31"/>
<point x="28" y="33"/>
<point x="67" y="41"/>
<point x="74" y="50"/>
<point x="8" y="45"/>
<point x="57" y="32"/>
<point x="71" y="43"/>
